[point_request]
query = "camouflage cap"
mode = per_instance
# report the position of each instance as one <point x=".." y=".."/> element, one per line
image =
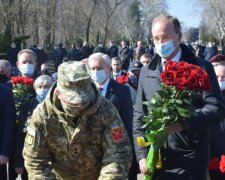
<point x="74" y="82"/>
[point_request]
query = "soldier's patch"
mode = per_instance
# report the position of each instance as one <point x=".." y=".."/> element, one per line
<point x="30" y="139"/>
<point x="116" y="132"/>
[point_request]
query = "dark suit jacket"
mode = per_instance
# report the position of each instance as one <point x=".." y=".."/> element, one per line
<point x="119" y="95"/>
<point x="185" y="154"/>
<point x="7" y="120"/>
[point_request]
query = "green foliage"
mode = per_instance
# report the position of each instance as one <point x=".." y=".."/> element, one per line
<point x="135" y="12"/>
<point x="167" y="107"/>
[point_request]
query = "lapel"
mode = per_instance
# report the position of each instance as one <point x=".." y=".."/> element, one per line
<point x="110" y="89"/>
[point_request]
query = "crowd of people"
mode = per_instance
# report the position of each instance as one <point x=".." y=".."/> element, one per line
<point x="82" y="121"/>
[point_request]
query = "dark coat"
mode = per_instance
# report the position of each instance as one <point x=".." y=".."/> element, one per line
<point x="99" y="49"/>
<point x="210" y="52"/>
<point x="124" y="54"/>
<point x="217" y="145"/>
<point x="185" y="154"/>
<point x="119" y="95"/>
<point x="11" y="55"/>
<point x="25" y="113"/>
<point x="113" y="51"/>
<point x="74" y="54"/>
<point x="86" y="52"/>
<point x="7" y="120"/>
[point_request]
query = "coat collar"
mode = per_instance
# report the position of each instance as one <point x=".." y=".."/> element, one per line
<point x="187" y="56"/>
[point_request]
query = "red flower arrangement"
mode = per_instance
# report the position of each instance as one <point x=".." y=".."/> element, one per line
<point x="22" y="89"/>
<point x="123" y="79"/>
<point x="185" y="76"/>
<point x="216" y="164"/>
<point x="222" y="164"/>
<point x="182" y="84"/>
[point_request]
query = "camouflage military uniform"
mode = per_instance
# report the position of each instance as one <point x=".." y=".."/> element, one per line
<point x="93" y="145"/>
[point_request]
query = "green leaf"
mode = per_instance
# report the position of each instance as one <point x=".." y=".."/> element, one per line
<point x="183" y="112"/>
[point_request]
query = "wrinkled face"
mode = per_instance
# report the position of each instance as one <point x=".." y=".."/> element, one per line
<point x="220" y="72"/>
<point x="26" y="58"/>
<point x="116" y="65"/>
<point x="98" y="64"/>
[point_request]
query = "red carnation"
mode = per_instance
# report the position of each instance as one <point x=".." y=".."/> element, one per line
<point x="123" y="79"/>
<point x="222" y="164"/>
<point x="213" y="164"/>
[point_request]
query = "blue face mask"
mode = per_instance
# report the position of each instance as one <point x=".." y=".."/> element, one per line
<point x="165" y="49"/>
<point x="98" y="76"/>
<point x="41" y="94"/>
<point x="26" y="69"/>
<point x="133" y="80"/>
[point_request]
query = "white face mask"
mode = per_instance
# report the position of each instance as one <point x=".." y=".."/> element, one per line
<point x="165" y="49"/>
<point x="222" y="85"/>
<point x="98" y="76"/>
<point x="26" y="69"/>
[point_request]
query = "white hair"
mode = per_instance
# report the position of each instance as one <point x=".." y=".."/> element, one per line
<point x="5" y="64"/>
<point x="43" y="79"/>
<point x="100" y="56"/>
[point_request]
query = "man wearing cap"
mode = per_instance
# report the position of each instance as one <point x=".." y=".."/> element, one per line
<point x="133" y="73"/>
<point x="75" y="133"/>
<point x="218" y="59"/>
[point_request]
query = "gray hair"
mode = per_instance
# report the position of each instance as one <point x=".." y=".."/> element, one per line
<point x="100" y="56"/>
<point x="27" y="51"/>
<point x="107" y="59"/>
<point x="5" y="64"/>
<point x="43" y="79"/>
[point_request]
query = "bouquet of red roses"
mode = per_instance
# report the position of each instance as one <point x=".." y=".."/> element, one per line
<point x="181" y="84"/>
<point x="22" y="89"/>
<point x="123" y="79"/>
<point x="216" y="164"/>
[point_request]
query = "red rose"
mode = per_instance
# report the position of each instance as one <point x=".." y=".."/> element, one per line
<point x="192" y="82"/>
<point x="182" y="65"/>
<point x="222" y="164"/>
<point x="213" y="164"/>
<point x="16" y="79"/>
<point x="170" y="66"/>
<point x="204" y="84"/>
<point x="181" y="83"/>
<point x="28" y="81"/>
<point x="168" y="77"/>
<point x="180" y="73"/>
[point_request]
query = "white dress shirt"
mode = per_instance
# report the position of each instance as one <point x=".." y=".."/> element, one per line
<point x="104" y="87"/>
<point x="175" y="58"/>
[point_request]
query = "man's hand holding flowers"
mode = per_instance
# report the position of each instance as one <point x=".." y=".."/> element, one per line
<point x="182" y="84"/>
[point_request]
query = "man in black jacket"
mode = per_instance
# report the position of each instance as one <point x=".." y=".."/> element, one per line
<point x="7" y="128"/>
<point x="185" y="153"/>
